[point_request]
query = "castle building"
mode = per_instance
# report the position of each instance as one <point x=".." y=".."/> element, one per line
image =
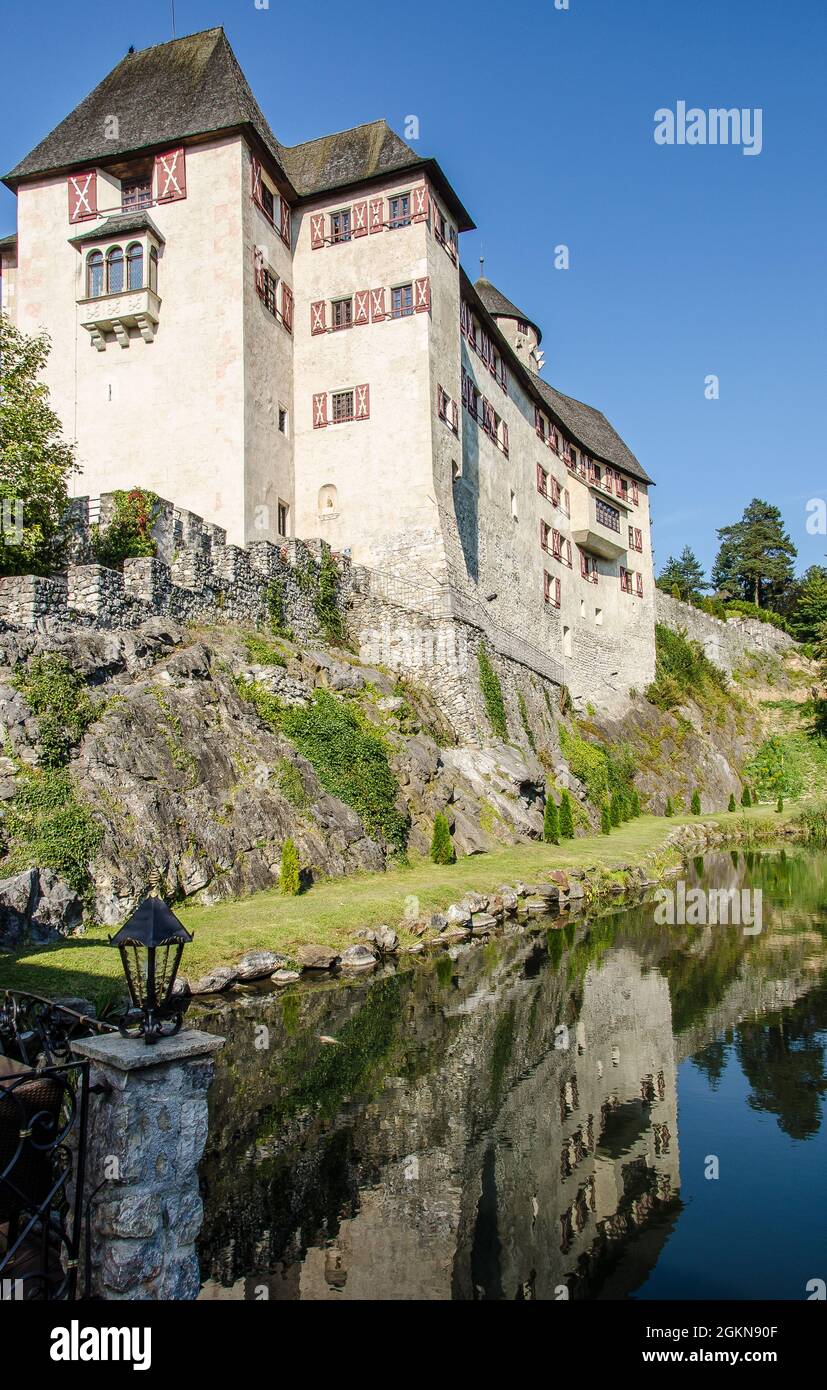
<point x="282" y="340"/>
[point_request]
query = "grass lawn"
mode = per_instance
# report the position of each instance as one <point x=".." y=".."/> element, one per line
<point x="331" y="911"/>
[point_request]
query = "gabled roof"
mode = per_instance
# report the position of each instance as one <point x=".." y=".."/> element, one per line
<point x="588" y="427"/>
<point x="188" y="87"/>
<point x="118" y="226"/>
<point x="500" y="307"/>
<point x="8" y="243"/>
<point x="355" y="156"/>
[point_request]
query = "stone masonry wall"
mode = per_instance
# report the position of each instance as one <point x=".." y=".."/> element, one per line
<point x="728" y="643"/>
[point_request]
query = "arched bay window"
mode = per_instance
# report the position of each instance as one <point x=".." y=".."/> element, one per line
<point x="94" y="274"/>
<point x="135" y="266"/>
<point x="114" y="270"/>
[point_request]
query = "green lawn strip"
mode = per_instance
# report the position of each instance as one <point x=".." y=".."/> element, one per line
<point x="329" y="913"/>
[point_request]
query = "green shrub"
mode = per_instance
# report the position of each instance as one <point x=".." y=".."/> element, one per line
<point x="615" y="809"/>
<point x="442" y="846"/>
<point x="551" y="821"/>
<point x="682" y="670"/>
<point x="128" y="535"/>
<point x="532" y="743"/>
<point x="779" y="805"/>
<point x="602" y="769"/>
<point x="290" y="784"/>
<point x="731" y="806"/>
<point x="274" y="603"/>
<point x="634" y="803"/>
<point x="764" y="615"/>
<point x="326" y="600"/>
<point x="605" y="819"/>
<point x="49" y="828"/>
<point x="669" y="809"/>
<point x="566" y="818"/>
<point x="289" y="873"/>
<point x="746" y="799"/>
<point x="492" y="693"/>
<point x="58" y="697"/>
<point x="696" y="803"/>
<point x="779" y="767"/>
<point x="262" y="652"/>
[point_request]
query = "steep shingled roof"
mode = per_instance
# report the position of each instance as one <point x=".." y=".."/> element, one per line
<point x="500" y="307"/>
<point x="588" y="427"/>
<point x="8" y="243"/>
<point x="187" y="87"/>
<point x="118" y="226"/>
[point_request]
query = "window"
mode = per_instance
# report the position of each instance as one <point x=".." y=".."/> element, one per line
<point x="551" y="590"/>
<point x="625" y="580"/>
<point x="342" y="313"/>
<point x="268" y="292"/>
<point x="283" y="515"/>
<point x="153" y="269"/>
<point x="542" y="481"/>
<point x="400" y="211"/>
<point x="635" y="494"/>
<point x="340" y="226"/>
<point x="135" y="266"/>
<point x="136" y="193"/>
<point x="268" y="207"/>
<point x="598" y="616"/>
<point x="114" y="271"/>
<point x="522" y="326"/>
<point x="94" y="274"/>
<point x="622" y="487"/>
<point x="401" y="301"/>
<point x="514" y="515"/>
<point x="566" y="638"/>
<point x="588" y="567"/>
<point x="606" y="515"/>
<point x="282" y="420"/>
<point x="342" y="406"/>
<point x="639" y="585"/>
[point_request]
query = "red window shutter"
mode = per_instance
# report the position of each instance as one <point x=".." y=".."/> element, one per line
<point x="638" y="539"/>
<point x="568" y="553"/>
<point x="377" y="305"/>
<point x="555" y="492"/>
<point x="557" y="593"/>
<point x="286" y="223"/>
<point x="255" y="180"/>
<point x="546" y="585"/>
<point x="170" y="176"/>
<point x="635" y="494"/>
<point x="503" y="376"/>
<point x="258" y="272"/>
<point x="541" y="481"/>
<point x="83" y="196"/>
<point x="505" y="438"/>
<point x="639" y="585"/>
<point x="360" y="219"/>
<point x="543" y="534"/>
<point x="376" y="214"/>
<point x="422" y="296"/>
<point x="463" y="319"/>
<point x="584" y="565"/>
<point x="287" y="307"/>
<point x="618" y="485"/>
<point x="454" y="417"/>
<point x="320" y="410"/>
<point x="318" y="311"/>
<point x="555" y="544"/>
<point x="362" y="402"/>
<point x="316" y="230"/>
<point x="419" y="203"/>
<point x="361" y="308"/>
<point x="440" y="402"/>
<point x="538" y="422"/>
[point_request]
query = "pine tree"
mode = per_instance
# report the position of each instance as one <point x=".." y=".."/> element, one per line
<point x="810" y="610"/>
<point x="605" y="819"/>
<point x="779" y="805"/>
<point x="289" y="875"/>
<point x="746" y="799"/>
<point x="684" y="578"/>
<point x="731" y="806"/>
<point x="442" y="846"/>
<point x="566" y="818"/>
<point x="696" y="802"/>
<point x="615" y="809"/>
<point x="755" y="559"/>
<point x="635" y="803"/>
<point x="551" y="822"/>
<point x="669" y="809"/>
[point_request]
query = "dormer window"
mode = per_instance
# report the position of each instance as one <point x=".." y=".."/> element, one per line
<point x="522" y="326"/>
<point x="136" y="193"/>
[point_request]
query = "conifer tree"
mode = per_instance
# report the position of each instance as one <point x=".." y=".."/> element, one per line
<point x="605" y="819"/>
<point x="615" y="809"/>
<point x="696" y="802"/>
<point x="289" y="875"/>
<point x="746" y="799"/>
<point x="669" y="809"/>
<point x="566" y="818"/>
<point x="635" y="803"/>
<point x="780" y="804"/>
<point x="731" y="806"/>
<point x="442" y="846"/>
<point x="551" y="821"/>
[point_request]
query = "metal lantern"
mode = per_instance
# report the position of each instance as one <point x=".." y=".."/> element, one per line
<point x="151" y="943"/>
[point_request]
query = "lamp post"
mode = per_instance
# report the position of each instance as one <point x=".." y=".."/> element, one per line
<point x="151" y="944"/>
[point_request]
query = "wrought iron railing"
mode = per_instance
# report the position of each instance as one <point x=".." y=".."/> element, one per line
<point x="44" y="1100"/>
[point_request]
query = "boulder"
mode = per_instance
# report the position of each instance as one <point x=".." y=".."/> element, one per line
<point x="550" y="891"/>
<point x="455" y="934"/>
<point x="576" y="889"/>
<point x="482" y="923"/>
<point x="386" y="939"/>
<point x="475" y="902"/>
<point x="59" y="909"/>
<point x="439" y="921"/>
<point x="316" y="957"/>
<point x="216" y="980"/>
<point x="557" y="876"/>
<point x="285" y="977"/>
<point x="357" y="958"/>
<point x="16" y="897"/>
<point x="257" y="965"/>
<point x="509" y="901"/>
<point x="535" y="906"/>
<point x="458" y="915"/>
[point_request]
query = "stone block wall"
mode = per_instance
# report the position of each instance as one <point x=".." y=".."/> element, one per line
<point x="728" y="643"/>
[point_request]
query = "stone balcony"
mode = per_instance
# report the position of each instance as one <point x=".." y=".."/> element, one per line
<point x="118" y="313"/>
<point x="598" y="523"/>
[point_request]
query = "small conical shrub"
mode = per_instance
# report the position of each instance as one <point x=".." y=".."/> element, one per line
<point x="566" y="818"/>
<point x="442" y="846"/>
<point x="289" y="876"/>
<point x="779" y="805"/>
<point x="605" y="819"/>
<point x="696" y="802"/>
<point x="551" y="822"/>
<point x="615" y="809"/>
<point x="731" y="806"/>
<point x="746" y="799"/>
<point x="635" y="803"/>
<point x="669" y="809"/>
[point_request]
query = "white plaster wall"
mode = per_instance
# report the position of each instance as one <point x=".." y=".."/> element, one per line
<point x="168" y="415"/>
<point x="8" y="285"/>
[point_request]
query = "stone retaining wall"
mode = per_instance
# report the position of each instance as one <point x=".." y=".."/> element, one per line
<point x="728" y="643"/>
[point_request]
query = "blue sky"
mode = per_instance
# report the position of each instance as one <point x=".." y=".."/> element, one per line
<point x="685" y="261"/>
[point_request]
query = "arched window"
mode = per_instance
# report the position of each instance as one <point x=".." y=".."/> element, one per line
<point x="114" y="270"/>
<point x="94" y="274"/>
<point x="153" y="269"/>
<point x="135" y="266"/>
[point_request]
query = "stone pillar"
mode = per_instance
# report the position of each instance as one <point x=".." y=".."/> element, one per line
<point x="146" y="1136"/>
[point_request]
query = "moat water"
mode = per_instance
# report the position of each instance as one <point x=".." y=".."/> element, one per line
<point x="600" y="1108"/>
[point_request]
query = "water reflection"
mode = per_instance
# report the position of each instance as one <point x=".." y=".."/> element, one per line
<point x="506" y="1125"/>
